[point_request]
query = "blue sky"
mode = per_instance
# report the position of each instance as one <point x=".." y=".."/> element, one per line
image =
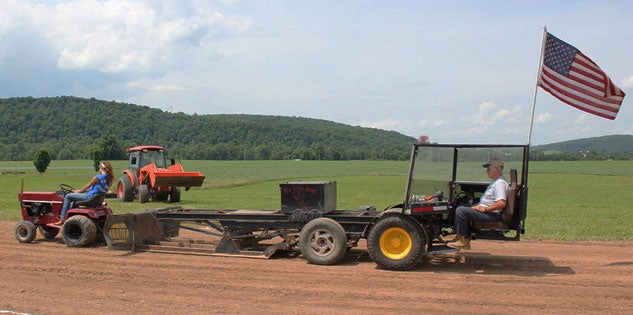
<point x="457" y="71"/>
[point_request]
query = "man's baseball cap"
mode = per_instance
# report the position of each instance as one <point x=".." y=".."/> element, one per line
<point x="493" y="161"/>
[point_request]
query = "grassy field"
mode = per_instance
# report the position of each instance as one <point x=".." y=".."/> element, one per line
<point x="567" y="200"/>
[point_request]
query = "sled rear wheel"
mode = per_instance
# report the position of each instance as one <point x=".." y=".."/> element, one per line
<point x="323" y="241"/>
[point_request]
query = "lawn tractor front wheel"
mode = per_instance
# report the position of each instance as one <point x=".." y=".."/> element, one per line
<point x="24" y="232"/>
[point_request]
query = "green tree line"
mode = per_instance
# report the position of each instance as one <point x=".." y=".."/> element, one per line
<point x="591" y="155"/>
<point x="604" y="145"/>
<point x="79" y="128"/>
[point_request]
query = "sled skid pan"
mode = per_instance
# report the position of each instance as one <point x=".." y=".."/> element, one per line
<point x="142" y="231"/>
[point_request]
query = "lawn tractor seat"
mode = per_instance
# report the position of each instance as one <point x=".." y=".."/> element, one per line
<point x="507" y="214"/>
<point x="94" y="202"/>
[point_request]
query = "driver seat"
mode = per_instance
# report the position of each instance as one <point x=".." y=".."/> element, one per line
<point x="94" y="202"/>
<point x="507" y="214"/>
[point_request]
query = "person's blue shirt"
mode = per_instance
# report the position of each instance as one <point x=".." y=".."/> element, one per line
<point x="101" y="187"/>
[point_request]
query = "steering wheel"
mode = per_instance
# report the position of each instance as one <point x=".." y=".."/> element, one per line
<point x="66" y="189"/>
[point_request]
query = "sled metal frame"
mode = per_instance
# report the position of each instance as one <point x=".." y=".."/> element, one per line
<point x="156" y="230"/>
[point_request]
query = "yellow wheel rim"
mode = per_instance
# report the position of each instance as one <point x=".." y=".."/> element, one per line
<point x="395" y="243"/>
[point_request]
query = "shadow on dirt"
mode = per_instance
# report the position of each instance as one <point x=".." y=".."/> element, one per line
<point x="487" y="264"/>
<point x="476" y="263"/>
<point x="621" y="263"/>
<point x="99" y="242"/>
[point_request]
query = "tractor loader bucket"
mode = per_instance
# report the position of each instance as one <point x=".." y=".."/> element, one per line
<point x="180" y="179"/>
<point x="142" y="231"/>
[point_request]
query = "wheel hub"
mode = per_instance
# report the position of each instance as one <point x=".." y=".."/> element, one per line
<point x="322" y="242"/>
<point x="395" y="243"/>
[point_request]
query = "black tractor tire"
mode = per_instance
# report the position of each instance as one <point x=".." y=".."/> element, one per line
<point x="174" y="194"/>
<point x="161" y="196"/>
<point x="125" y="190"/>
<point x="25" y="232"/>
<point x="143" y="193"/>
<point x="323" y="241"/>
<point x="79" y="231"/>
<point x="396" y="243"/>
<point x="48" y="232"/>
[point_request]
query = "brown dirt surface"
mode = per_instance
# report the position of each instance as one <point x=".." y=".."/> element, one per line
<point x="495" y="277"/>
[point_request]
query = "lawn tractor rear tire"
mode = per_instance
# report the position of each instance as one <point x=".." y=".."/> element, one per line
<point x="48" y="232"/>
<point x="24" y="232"/>
<point x="124" y="190"/>
<point x="396" y="243"/>
<point x="79" y="231"/>
<point x="323" y="241"/>
<point x="143" y="193"/>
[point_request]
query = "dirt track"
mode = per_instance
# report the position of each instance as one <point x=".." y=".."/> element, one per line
<point x="46" y="277"/>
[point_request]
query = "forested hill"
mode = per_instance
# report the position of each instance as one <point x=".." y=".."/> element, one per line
<point x="605" y="145"/>
<point x="69" y="127"/>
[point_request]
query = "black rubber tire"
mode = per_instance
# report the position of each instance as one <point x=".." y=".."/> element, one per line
<point x="24" y="232"/>
<point x="174" y="194"/>
<point x="161" y="196"/>
<point x="48" y="232"/>
<point x="124" y="190"/>
<point x="143" y="193"/>
<point x="323" y="241"/>
<point x="396" y="243"/>
<point x="79" y="231"/>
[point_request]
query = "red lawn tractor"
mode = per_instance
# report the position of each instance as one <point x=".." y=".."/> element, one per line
<point x="40" y="210"/>
<point x="149" y="176"/>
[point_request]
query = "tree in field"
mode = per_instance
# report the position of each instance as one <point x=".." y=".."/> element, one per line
<point x="95" y="154"/>
<point x="110" y="150"/>
<point x="42" y="160"/>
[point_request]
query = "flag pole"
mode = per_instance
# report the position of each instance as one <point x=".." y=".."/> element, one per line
<point x="538" y="81"/>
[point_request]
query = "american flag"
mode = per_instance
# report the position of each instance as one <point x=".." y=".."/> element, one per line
<point x="573" y="78"/>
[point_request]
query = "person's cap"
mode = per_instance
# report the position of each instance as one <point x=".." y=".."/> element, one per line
<point x="493" y="161"/>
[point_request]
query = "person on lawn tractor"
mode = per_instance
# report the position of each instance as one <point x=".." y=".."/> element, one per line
<point x="97" y="185"/>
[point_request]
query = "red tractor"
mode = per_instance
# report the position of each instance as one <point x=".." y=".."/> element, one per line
<point x="149" y="176"/>
<point x="40" y="210"/>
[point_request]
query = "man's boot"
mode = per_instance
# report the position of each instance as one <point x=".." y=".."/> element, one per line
<point x="462" y="243"/>
<point x="456" y="238"/>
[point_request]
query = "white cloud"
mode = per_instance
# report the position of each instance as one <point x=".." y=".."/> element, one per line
<point x="476" y="130"/>
<point x="580" y="125"/>
<point x="581" y="120"/>
<point x="543" y="118"/>
<point x="124" y="36"/>
<point x="11" y="14"/>
<point x="627" y="83"/>
<point x="483" y="116"/>
<point x="513" y="130"/>
<point x="501" y="114"/>
<point x="516" y="114"/>
<point x="154" y="86"/>
<point x="489" y="115"/>
<point x="388" y="124"/>
<point x="433" y="123"/>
